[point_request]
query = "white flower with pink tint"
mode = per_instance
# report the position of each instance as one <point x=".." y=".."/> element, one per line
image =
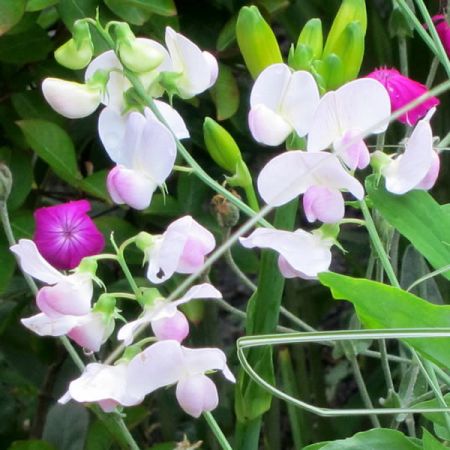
<point x="167" y="362"/>
<point x="194" y="70"/>
<point x="181" y="249"/>
<point x="358" y="107"/>
<point x="418" y="166"/>
<point x="102" y="384"/>
<point x="318" y="175"/>
<point x="302" y="254"/>
<point x="282" y="101"/>
<point x="145" y="158"/>
<point x="165" y="319"/>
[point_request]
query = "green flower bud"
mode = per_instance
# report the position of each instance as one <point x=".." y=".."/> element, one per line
<point x="144" y="241"/>
<point x="5" y="182"/>
<point x="301" y="57"/>
<point x="350" y="48"/>
<point x="256" y="40"/>
<point x="133" y="54"/>
<point x="105" y="304"/>
<point x="350" y="11"/>
<point x="220" y="145"/>
<point x="88" y="264"/>
<point x="332" y="72"/>
<point x="77" y="52"/>
<point x="399" y="25"/>
<point x="312" y="37"/>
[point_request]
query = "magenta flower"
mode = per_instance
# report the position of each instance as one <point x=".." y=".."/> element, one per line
<point x="402" y="90"/>
<point x="443" y="30"/>
<point x="65" y="234"/>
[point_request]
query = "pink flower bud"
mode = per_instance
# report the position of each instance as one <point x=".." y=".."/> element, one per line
<point x="402" y="90"/>
<point x="175" y="327"/>
<point x="65" y="234"/>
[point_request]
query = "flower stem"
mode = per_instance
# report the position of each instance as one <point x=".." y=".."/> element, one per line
<point x="217" y="431"/>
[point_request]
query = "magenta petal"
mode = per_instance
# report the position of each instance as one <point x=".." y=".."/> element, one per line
<point x="443" y="30"/>
<point x="403" y="90"/>
<point x="65" y="234"/>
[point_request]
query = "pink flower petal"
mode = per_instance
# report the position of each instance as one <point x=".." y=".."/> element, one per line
<point x="324" y="204"/>
<point x="175" y="327"/>
<point x="197" y="394"/>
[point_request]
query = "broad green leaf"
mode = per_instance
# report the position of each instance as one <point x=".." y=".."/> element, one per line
<point x="381" y="306"/>
<point x="95" y="184"/>
<point x="436" y="418"/>
<point x="22" y="224"/>
<point x="11" y="11"/>
<point x="431" y="443"/>
<point x="225" y="93"/>
<point x="39" y="5"/>
<point x="31" y="105"/>
<point x="377" y="439"/>
<point x="54" y="146"/>
<point x="31" y="445"/>
<point x="22" y="48"/>
<point x="98" y="437"/>
<point x="418" y="217"/>
<point x="227" y="35"/>
<point x="138" y="12"/>
<point x="164" y="206"/>
<point x="66" y="426"/>
<point x="7" y="265"/>
<point x="71" y="10"/>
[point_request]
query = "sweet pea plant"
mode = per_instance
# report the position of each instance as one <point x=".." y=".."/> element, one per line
<point x="135" y="306"/>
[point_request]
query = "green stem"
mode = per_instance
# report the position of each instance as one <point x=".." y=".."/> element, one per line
<point x="432" y="73"/>
<point x="403" y="52"/>
<point x="251" y="197"/>
<point x="217" y="431"/>
<point x="385" y="366"/>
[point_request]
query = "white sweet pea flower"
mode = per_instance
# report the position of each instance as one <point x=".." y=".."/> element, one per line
<point x="302" y="254"/>
<point x="418" y="166"/>
<point x="161" y="313"/>
<point x="102" y="384"/>
<point x="118" y="84"/>
<point x="145" y="158"/>
<point x="342" y="115"/>
<point x="282" y="101"/>
<point x="320" y="176"/>
<point x="182" y="249"/>
<point x="167" y="362"/>
<point x="66" y="294"/>
<point x="195" y="71"/>
<point x="70" y="99"/>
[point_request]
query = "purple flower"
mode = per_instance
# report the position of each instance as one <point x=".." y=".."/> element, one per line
<point x="443" y="30"/>
<point x="65" y="234"/>
<point x="402" y="90"/>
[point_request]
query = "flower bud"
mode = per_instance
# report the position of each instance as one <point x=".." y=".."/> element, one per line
<point x="225" y="212"/>
<point x="331" y="71"/>
<point x="399" y="25"/>
<point x="88" y="265"/>
<point x="300" y="57"/>
<point x="256" y="40"/>
<point x="105" y="304"/>
<point x="350" y="11"/>
<point x="144" y="241"/>
<point x="312" y="37"/>
<point x="242" y="177"/>
<point x="220" y="145"/>
<point x="77" y="52"/>
<point x="350" y="49"/>
<point x="135" y="55"/>
<point x="5" y="182"/>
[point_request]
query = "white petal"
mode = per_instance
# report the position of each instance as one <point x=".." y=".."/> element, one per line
<point x="300" y="102"/>
<point x="324" y="204"/>
<point x="92" y="332"/>
<point x="70" y="99"/>
<point x="268" y="127"/>
<point x="44" y="325"/>
<point x="159" y="365"/>
<point x="197" y="394"/>
<point x="213" y="67"/>
<point x="172" y="117"/>
<point x="270" y="86"/>
<point x="407" y="171"/>
<point x="305" y="252"/>
<point x="126" y="333"/>
<point x="111" y="128"/>
<point x="290" y="174"/>
<point x="32" y="262"/>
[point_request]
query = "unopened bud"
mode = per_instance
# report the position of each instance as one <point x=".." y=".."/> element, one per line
<point x="332" y="72"/>
<point x="221" y="146"/>
<point x="225" y="212"/>
<point x="399" y="25"/>
<point x="256" y="40"/>
<point x="133" y="54"/>
<point x="350" y="11"/>
<point x="77" y="52"/>
<point x="5" y="182"/>
<point x="312" y="37"/>
<point x="300" y="57"/>
<point x="105" y="304"/>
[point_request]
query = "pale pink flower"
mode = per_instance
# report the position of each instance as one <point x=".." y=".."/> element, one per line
<point x="282" y="101"/>
<point x="403" y="90"/>
<point x="324" y="204"/>
<point x="167" y="362"/>
<point x="181" y="249"/>
<point x="65" y="234"/>
<point x="166" y="321"/>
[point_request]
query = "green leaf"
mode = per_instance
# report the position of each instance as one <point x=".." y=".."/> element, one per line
<point x="7" y="266"/>
<point x="418" y="217"/>
<point x="435" y="417"/>
<point x="39" y="5"/>
<point x="22" y="224"/>
<point x="98" y="437"/>
<point x="227" y="35"/>
<point x="138" y="12"/>
<point x="95" y="184"/>
<point x="11" y="11"/>
<point x="54" y="146"/>
<point x="33" y="45"/>
<point x="225" y="93"/>
<point x="71" y="10"/>
<point x="66" y="426"/>
<point x="381" y="306"/>
<point x="31" y="445"/>
<point x="430" y="442"/>
<point x="380" y="438"/>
